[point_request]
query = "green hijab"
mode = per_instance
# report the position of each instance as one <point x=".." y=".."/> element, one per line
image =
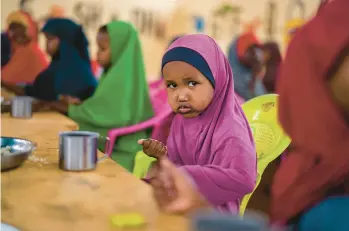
<point x="121" y="98"/>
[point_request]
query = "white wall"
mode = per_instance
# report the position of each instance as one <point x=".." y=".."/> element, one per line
<point x="175" y="15"/>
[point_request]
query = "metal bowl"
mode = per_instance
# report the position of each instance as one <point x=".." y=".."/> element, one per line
<point x="6" y="227"/>
<point x="20" y="150"/>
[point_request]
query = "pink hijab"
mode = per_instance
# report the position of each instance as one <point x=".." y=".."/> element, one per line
<point x="216" y="148"/>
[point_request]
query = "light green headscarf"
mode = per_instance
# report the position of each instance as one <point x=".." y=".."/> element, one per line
<point x="121" y="98"/>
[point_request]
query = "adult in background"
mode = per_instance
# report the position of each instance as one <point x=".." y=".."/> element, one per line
<point x="21" y="58"/>
<point x="245" y="56"/>
<point x="69" y="72"/>
<point x="273" y="59"/>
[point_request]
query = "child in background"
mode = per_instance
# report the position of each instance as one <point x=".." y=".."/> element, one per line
<point x="121" y="98"/>
<point x="210" y="139"/>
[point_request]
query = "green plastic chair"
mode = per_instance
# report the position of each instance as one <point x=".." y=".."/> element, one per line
<point x="269" y="137"/>
<point x="142" y="164"/>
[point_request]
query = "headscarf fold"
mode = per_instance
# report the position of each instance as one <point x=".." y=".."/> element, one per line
<point x="26" y="61"/>
<point x="121" y="98"/>
<point x="319" y="162"/>
<point x="69" y="72"/>
<point x="242" y="74"/>
<point x="216" y="148"/>
<point x="244" y="42"/>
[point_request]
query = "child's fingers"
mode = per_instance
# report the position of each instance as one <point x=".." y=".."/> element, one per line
<point x="74" y="101"/>
<point x="141" y="141"/>
<point x="154" y="146"/>
<point x="146" y="144"/>
<point x="164" y="149"/>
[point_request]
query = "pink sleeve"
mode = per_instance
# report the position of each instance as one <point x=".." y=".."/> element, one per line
<point x="228" y="179"/>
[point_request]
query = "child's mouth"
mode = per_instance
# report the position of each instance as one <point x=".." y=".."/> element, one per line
<point x="184" y="109"/>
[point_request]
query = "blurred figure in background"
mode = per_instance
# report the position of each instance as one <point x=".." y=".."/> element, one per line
<point x="174" y="39"/>
<point x="246" y="59"/>
<point x="25" y="60"/>
<point x="69" y="72"/>
<point x="121" y="98"/>
<point x="311" y="187"/>
<point x="272" y="57"/>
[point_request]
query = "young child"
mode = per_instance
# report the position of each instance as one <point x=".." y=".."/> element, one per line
<point x="210" y="139"/>
<point x="121" y="98"/>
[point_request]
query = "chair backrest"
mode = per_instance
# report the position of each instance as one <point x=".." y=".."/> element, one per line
<point x="159" y="101"/>
<point x="269" y="137"/>
<point x="155" y="87"/>
<point x="142" y="164"/>
<point x="163" y="115"/>
<point x="155" y="84"/>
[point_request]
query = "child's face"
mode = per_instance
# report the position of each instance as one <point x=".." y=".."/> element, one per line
<point x="52" y="44"/>
<point x="103" y="53"/>
<point x="18" y="33"/>
<point x="189" y="91"/>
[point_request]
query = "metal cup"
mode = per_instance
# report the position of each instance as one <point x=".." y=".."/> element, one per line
<point x="78" y="150"/>
<point x="21" y="107"/>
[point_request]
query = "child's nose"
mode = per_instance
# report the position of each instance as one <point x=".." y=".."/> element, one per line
<point x="183" y="96"/>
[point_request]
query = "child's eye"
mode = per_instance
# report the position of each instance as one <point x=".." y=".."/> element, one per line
<point x="192" y="83"/>
<point x="171" y="85"/>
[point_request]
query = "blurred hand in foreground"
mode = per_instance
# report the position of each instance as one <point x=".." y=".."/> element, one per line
<point x="175" y="191"/>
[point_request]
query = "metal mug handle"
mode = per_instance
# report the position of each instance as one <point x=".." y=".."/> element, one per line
<point x="105" y="155"/>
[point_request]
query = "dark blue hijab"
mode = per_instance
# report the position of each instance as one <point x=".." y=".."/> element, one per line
<point x="69" y="72"/>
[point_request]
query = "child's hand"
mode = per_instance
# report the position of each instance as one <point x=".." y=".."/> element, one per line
<point x="153" y="148"/>
<point x="70" y="99"/>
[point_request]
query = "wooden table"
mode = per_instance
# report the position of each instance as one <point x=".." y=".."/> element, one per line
<point x="38" y="196"/>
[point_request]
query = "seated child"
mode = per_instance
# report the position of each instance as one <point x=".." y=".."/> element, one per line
<point x="210" y="139"/>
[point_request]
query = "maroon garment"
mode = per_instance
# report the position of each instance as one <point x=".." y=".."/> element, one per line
<point x="319" y="161"/>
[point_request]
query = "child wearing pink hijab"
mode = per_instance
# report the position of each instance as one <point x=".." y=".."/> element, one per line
<point x="210" y="139"/>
